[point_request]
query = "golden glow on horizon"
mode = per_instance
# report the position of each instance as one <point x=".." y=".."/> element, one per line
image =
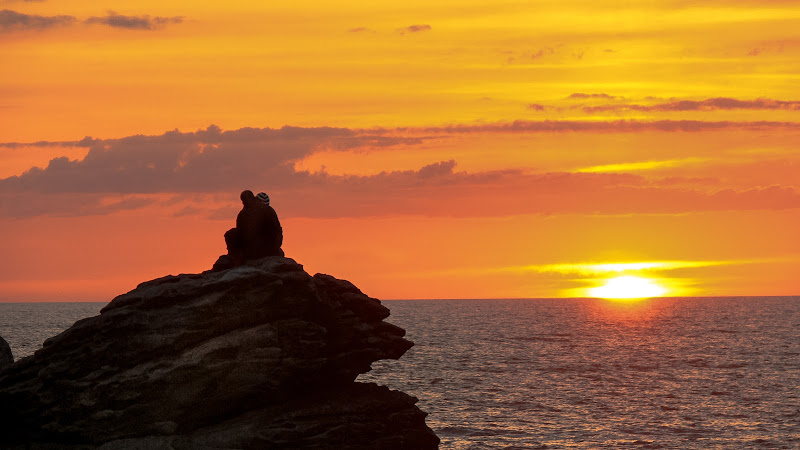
<point x="644" y="165"/>
<point x="599" y="268"/>
<point x="628" y="287"/>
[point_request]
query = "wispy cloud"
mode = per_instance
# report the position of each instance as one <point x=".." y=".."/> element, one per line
<point x="71" y="204"/>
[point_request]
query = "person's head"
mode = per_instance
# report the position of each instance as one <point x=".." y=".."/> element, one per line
<point x="247" y="197"/>
<point x="263" y="197"/>
<point x="232" y="239"/>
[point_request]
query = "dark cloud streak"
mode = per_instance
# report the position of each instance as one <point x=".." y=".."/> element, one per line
<point x="615" y="126"/>
<point x="11" y="21"/>
<point x="69" y="204"/>
<point x="710" y="104"/>
<point x="14" y="21"/>
<point x="581" y="95"/>
<point x="144" y="22"/>
<point x="542" y="52"/>
<point x="414" y="29"/>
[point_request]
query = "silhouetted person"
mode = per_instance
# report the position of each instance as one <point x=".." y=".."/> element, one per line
<point x="235" y="256"/>
<point x="233" y="242"/>
<point x="259" y="229"/>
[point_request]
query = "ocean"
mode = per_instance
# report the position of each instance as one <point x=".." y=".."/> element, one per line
<point x="680" y="373"/>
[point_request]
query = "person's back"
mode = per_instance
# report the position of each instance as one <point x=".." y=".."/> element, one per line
<point x="276" y="231"/>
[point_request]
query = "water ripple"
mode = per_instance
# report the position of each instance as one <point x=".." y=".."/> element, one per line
<point x="664" y="373"/>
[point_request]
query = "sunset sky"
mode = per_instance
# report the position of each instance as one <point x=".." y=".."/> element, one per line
<point x="420" y="149"/>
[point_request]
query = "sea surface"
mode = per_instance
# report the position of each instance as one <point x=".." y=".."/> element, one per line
<point x="681" y="373"/>
<point x="25" y="326"/>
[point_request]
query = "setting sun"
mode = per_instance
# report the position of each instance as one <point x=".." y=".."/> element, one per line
<point x="628" y="287"/>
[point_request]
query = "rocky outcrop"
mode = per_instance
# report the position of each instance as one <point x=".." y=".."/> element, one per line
<point x="6" y="357"/>
<point x="260" y="356"/>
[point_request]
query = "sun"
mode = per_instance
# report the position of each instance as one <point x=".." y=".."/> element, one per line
<point x="628" y="287"/>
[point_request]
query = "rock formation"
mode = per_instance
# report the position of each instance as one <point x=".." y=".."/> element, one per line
<point x="6" y="357"/>
<point x="259" y="356"/>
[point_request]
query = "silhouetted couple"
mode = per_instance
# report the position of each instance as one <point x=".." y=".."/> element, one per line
<point x="258" y="233"/>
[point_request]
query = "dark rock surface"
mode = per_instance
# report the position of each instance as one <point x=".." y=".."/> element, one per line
<point x="6" y="357"/>
<point x="260" y="356"/>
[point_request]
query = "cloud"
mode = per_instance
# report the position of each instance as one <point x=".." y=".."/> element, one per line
<point x="581" y="95"/>
<point x="132" y="172"/>
<point x="144" y="22"/>
<point x="774" y="47"/>
<point x="414" y="29"/>
<point x="710" y="104"/>
<point x="673" y="181"/>
<point x="14" y="21"/>
<point x="204" y="161"/>
<point x="542" y="52"/>
<point x="508" y="193"/>
<point x="441" y="168"/>
<point x="70" y="204"/>
<point x="359" y="30"/>
<point x="536" y="107"/>
<point x="614" y="126"/>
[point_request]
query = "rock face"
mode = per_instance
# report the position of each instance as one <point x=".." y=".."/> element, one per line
<point x="6" y="357"/>
<point x="259" y="356"/>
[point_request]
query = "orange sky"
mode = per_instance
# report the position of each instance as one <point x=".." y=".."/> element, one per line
<point x="420" y="149"/>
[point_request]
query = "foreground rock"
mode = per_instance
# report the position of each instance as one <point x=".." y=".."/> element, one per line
<point x="6" y="357"/>
<point x="260" y="356"/>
